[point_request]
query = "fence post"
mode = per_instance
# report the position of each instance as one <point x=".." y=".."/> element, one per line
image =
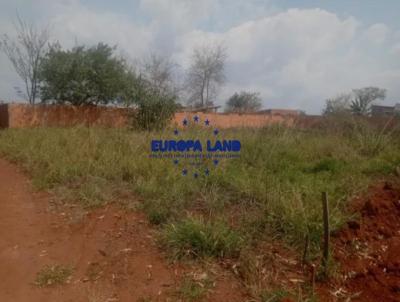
<point x="325" y="214"/>
<point x="305" y="252"/>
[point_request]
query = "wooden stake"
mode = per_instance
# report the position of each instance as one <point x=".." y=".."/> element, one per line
<point x="305" y="253"/>
<point x="312" y="279"/>
<point x="325" y="214"/>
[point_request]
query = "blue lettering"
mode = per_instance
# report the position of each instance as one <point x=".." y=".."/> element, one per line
<point x="155" y="145"/>
<point x="236" y="146"/>
<point x="189" y="145"/>
<point x="181" y="145"/>
<point x="226" y="145"/>
<point x="172" y="146"/>
<point x="218" y="146"/>
<point x="209" y="147"/>
<point x="197" y="146"/>
<point x="194" y="146"/>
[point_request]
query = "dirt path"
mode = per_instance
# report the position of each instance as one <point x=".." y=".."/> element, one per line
<point x="112" y="252"/>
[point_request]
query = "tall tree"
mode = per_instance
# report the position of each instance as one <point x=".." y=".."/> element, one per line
<point x="206" y="74"/>
<point x="244" y="102"/>
<point x="26" y="52"/>
<point x="363" y="98"/>
<point x="160" y="74"/>
<point x="85" y="76"/>
<point x="338" y="105"/>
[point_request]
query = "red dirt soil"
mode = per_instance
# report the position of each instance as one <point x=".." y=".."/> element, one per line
<point x="112" y="252"/>
<point x="368" y="249"/>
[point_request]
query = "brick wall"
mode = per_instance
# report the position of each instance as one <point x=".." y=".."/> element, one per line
<point x="3" y="115"/>
<point x="26" y="116"/>
<point x="235" y="120"/>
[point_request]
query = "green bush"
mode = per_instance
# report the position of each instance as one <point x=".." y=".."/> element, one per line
<point x="154" y="111"/>
<point x="326" y="165"/>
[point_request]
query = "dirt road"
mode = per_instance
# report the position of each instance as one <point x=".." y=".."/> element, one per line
<point x="112" y="253"/>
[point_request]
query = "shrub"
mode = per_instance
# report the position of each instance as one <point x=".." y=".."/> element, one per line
<point x="154" y="111"/>
<point x="195" y="238"/>
<point x="370" y="141"/>
<point x="326" y="165"/>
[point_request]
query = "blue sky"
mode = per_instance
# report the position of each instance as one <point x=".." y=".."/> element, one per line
<point x="295" y="53"/>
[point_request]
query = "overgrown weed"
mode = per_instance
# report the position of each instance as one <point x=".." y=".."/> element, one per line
<point x="280" y="174"/>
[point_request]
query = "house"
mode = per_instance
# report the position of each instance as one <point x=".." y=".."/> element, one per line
<point x="205" y="109"/>
<point x="378" y="110"/>
<point x="282" y="112"/>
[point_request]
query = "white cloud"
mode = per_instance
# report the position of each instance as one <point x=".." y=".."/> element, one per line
<point x="298" y="58"/>
<point x="178" y="13"/>
<point x="85" y="26"/>
<point x="377" y="33"/>
<point x="395" y="49"/>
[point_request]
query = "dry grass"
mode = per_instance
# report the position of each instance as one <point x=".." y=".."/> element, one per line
<point x="52" y="275"/>
<point x="272" y="191"/>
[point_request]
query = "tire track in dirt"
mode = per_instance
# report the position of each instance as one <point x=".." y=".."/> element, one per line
<point x="112" y="252"/>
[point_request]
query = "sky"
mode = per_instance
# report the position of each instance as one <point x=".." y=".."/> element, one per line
<point x="296" y="54"/>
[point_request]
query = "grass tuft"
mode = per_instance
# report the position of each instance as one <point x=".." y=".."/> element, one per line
<point x="274" y="296"/>
<point x="191" y="290"/>
<point x="53" y="275"/>
<point x="195" y="238"/>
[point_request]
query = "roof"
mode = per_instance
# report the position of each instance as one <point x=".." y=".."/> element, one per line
<point x="199" y="109"/>
<point x="280" y="111"/>
<point x="381" y="107"/>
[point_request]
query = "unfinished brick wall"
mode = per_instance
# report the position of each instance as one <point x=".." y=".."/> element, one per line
<point x="3" y="115"/>
<point x="26" y="116"/>
<point x="235" y="120"/>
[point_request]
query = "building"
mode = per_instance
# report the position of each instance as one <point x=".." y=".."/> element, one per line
<point x="377" y="110"/>
<point x="282" y="112"/>
<point x="205" y="109"/>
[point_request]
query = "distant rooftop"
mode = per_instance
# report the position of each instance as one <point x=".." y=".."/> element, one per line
<point x="281" y="112"/>
<point x="378" y="110"/>
<point x="200" y="109"/>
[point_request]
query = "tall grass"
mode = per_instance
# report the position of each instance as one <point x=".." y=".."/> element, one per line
<point x="274" y="188"/>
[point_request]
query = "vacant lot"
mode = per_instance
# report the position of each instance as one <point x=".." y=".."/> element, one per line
<point x="270" y="196"/>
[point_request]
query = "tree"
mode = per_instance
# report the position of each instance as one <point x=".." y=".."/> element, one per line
<point x="243" y="102"/>
<point x="363" y="98"/>
<point x="159" y="74"/>
<point x="206" y="74"/>
<point x="26" y="52"/>
<point x="338" y="105"/>
<point x="85" y="76"/>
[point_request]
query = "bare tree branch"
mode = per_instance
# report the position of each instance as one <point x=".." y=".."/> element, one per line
<point x="25" y="53"/>
<point x="160" y="74"/>
<point x="206" y="74"/>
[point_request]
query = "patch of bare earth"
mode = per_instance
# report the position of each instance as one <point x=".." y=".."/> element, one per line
<point x="112" y="252"/>
<point x="368" y="250"/>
